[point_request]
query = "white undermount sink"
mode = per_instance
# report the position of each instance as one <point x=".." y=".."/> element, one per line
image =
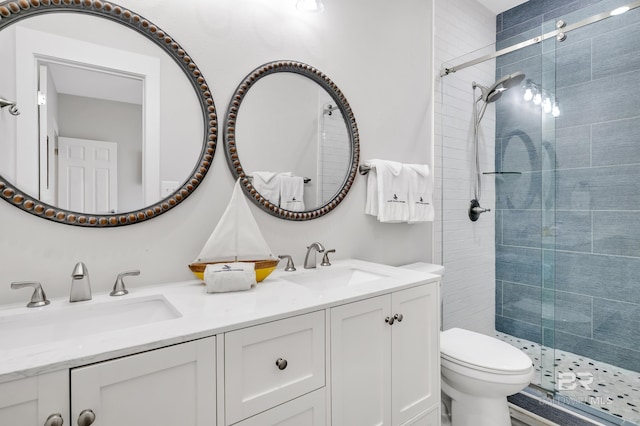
<point x="48" y="324"/>
<point x="323" y="278"/>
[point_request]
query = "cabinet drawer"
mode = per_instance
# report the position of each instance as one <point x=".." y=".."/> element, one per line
<point x="253" y="380"/>
<point x="308" y="410"/>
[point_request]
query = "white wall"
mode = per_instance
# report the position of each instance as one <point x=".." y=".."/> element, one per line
<point x="376" y="51"/>
<point x="466" y="248"/>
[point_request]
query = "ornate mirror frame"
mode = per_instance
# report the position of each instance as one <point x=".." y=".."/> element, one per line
<point x="230" y="137"/>
<point x="13" y="11"/>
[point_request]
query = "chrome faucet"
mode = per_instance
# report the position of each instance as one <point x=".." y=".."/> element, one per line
<point x="309" y="260"/>
<point x="80" y="285"/>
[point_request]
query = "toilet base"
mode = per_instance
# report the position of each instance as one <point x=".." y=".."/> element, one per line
<point x="475" y="410"/>
<point x="469" y="410"/>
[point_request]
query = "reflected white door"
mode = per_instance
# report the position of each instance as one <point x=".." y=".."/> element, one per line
<point x="47" y="136"/>
<point x="87" y="175"/>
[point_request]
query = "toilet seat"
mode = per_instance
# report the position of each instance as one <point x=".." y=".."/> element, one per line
<point x="492" y="355"/>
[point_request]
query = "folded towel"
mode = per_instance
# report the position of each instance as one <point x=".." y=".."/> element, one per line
<point x="292" y="193"/>
<point x="420" y="193"/>
<point x="233" y="276"/>
<point x="393" y="191"/>
<point x="371" y="204"/>
<point x="268" y="185"/>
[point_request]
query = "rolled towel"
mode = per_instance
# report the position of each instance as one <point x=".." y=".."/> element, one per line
<point x="233" y="276"/>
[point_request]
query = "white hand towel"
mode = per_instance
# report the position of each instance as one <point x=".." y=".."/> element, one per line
<point x="420" y="193"/>
<point x="371" y="204"/>
<point x="393" y="191"/>
<point x="268" y="185"/>
<point x="233" y="276"/>
<point x="292" y="193"/>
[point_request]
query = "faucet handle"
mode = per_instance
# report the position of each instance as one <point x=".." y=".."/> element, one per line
<point x="38" y="298"/>
<point x="119" y="288"/>
<point x="325" y="258"/>
<point x="290" y="266"/>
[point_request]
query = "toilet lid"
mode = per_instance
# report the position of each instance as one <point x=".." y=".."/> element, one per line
<point x="482" y="352"/>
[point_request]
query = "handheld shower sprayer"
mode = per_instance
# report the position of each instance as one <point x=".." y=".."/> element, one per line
<point x="487" y="95"/>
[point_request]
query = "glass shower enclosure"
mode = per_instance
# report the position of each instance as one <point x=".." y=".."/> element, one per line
<point x="560" y="171"/>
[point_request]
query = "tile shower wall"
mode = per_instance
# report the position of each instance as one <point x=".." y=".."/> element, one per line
<point x="465" y="248"/>
<point x="596" y="149"/>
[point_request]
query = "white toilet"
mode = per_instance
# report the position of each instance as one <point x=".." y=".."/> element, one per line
<point x="478" y="372"/>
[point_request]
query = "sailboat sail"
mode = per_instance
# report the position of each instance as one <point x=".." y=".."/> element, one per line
<point x="237" y="236"/>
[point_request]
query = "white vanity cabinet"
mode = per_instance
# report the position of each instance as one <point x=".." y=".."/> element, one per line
<point x="299" y="351"/>
<point x="32" y="400"/>
<point x="175" y="385"/>
<point x="385" y="359"/>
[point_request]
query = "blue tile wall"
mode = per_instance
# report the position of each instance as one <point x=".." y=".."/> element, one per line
<point x="568" y="227"/>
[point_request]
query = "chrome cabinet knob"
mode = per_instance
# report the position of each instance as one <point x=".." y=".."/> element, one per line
<point x="281" y="363"/>
<point x="398" y="317"/>
<point x="86" y="417"/>
<point x="54" y="420"/>
<point x="389" y="320"/>
<point x="38" y="298"/>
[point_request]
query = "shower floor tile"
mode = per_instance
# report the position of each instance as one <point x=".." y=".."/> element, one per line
<point x="602" y="386"/>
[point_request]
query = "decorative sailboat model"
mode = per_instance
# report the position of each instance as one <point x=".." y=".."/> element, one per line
<point x="236" y="238"/>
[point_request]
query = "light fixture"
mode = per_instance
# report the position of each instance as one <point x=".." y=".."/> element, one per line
<point x="546" y="100"/>
<point x="313" y="6"/>
<point x="619" y="10"/>
<point x="528" y="94"/>
<point x="537" y="99"/>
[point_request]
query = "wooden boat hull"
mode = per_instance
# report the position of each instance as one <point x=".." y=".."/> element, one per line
<point x="263" y="268"/>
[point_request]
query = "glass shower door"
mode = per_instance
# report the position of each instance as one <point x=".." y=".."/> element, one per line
<point x="596" y="262"/>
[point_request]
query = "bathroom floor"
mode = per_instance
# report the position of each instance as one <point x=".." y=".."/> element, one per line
<point x="602" y="386"/>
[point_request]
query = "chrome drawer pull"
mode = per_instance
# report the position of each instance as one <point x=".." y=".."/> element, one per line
<point x="389" y="320"/>
<point x="281" y="363"/>
<point x="398" y="317"/>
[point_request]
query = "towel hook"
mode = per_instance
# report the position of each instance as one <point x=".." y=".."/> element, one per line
<point x="13" y="109"/>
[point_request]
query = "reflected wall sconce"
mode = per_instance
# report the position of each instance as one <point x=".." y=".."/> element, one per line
<point x="13" y="109"/>
<point x="547" y="101"/>
<point x="312" y="6"/>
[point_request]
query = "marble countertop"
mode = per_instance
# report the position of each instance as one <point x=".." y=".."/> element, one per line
<point x="201" y="315"/>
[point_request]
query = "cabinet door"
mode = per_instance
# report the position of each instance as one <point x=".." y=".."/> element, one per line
<point x="30" y="401"/>
<point x="431" y="418"/>
<point x="415" y="352"/>
<point x="361" y="363"/>
<point x="308" y="410"/>
<point x="170" y="386"/>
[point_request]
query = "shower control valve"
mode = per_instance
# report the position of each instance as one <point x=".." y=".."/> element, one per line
<point x="475" y="210"/>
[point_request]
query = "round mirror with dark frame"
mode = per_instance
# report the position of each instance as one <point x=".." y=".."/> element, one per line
<point x="63" y="165"/>
<point x="289" y="121"/>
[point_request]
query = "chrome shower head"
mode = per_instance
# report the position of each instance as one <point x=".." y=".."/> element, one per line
<point x="494" y="92"/>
